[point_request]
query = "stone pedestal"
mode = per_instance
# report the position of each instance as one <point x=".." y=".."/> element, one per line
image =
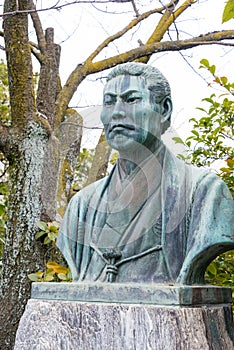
<point x="71" y="316"/>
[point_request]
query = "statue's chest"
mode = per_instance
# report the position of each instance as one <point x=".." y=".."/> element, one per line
<point x="141" y="260"/>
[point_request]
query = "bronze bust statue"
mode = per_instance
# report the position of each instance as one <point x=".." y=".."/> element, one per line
<point x="153" y="219"/>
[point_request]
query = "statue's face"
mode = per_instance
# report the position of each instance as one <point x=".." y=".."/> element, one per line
<point x="128" y="115"/>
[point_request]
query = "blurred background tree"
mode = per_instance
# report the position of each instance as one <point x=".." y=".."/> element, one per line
<point x="211" y="145"/>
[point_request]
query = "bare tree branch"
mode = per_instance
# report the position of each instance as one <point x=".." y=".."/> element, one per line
<point x="167" y="19"/>
<point x="38" y="28"/>
<point x="135" y="8"/>
<point x="59" y="7"/>
<point x="82" y="70"/>
<point x="207" y="39"/>
<point x="165" y="22"/>
<point x="36" y="53"/>
<point x="130" y="26"/>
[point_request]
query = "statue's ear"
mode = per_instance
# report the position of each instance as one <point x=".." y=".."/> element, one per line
<point x="166" y="111"/>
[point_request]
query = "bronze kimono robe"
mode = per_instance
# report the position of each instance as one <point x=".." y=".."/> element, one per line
<point x="164" y="223"/>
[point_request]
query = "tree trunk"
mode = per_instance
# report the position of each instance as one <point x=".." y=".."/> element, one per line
<point x="42" y="156"/>
<point x="39" y="175"/>
<point x="100" y="160"/>
<point x="22" y="254"/>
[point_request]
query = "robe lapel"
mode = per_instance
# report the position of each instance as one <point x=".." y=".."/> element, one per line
<point x="176" y="198"/>
<point x="132" y="208"/>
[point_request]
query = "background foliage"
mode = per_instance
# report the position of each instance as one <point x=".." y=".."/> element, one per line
<point x="212" y="141"/>
<point x="211" y="145"/>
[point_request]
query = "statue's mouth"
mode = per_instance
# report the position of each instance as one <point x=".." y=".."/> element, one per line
<point x="119" y="127"/>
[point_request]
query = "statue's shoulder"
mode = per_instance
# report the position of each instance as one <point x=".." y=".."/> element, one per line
<point x="87" y="192"/>
<point x="208" y="180"/>
<point x="200" y="178"/>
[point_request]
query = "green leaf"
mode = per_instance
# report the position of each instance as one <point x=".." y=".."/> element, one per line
<point x="228" y="12"/>
<point x="195" y="133"/>
<point x="178" y="140"/>
<point x="230" y="162"/>
<point x="3" y="188"/>
<point x="205" y="62"/>
<point x="49" y="278"/>
<point x="212" y="269"/>
<point x="35" y="277"/>
<point x="53" y="229"/>
<point x="42" y="225"/>
<point x="62" y="276"/>
<point x="39" y="234"/>
<point x="181" y="156"/>
<point x="2" y="209"/>
<point x="69" y="276"/>
<point x="224" y="80"/>
<point x="52" y="236"/>
<point x="50" y="272"/>
<point x="47" y="240"/>
<point x="53" y="226"/>
<point x="213" y="69"/>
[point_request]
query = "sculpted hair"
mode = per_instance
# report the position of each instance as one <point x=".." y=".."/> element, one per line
<point x="155" y="80"/>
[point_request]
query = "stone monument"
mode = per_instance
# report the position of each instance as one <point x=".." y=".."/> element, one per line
<point x="138" y="242"/>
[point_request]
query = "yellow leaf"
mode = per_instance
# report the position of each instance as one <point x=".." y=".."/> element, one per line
<point x="226" y="170"/>
<point x="52" y="264"/>
<point x="61" y="269"/>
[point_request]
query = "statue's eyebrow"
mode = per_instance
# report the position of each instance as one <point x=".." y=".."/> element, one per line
<point x="130" y="91"/>
<point x="123" y="94"/>
<point x="110" y="93"/>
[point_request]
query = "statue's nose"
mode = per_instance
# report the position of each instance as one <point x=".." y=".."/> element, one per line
<point x="119" y="110"/>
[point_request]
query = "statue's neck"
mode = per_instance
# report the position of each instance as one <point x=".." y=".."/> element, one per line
<point x="126" y="167"/>
<point x="133" y="160"/>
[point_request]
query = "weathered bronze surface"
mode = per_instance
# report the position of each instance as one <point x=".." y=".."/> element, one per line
<point x="153" y="219"/>
<point x="133" y="293"/>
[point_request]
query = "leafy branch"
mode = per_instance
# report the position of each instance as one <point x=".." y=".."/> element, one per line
<point x="54" y="271"/>
<point x="212" y="136"/>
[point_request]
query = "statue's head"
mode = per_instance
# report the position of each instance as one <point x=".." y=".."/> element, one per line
<point x="136" y="105"/>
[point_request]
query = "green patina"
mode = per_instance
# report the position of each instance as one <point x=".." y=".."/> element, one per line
<point x="164" y="221"/>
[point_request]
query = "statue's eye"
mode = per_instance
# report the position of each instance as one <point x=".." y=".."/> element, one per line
<point x="133" y="98"/>
<point x="109" y="100"/>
